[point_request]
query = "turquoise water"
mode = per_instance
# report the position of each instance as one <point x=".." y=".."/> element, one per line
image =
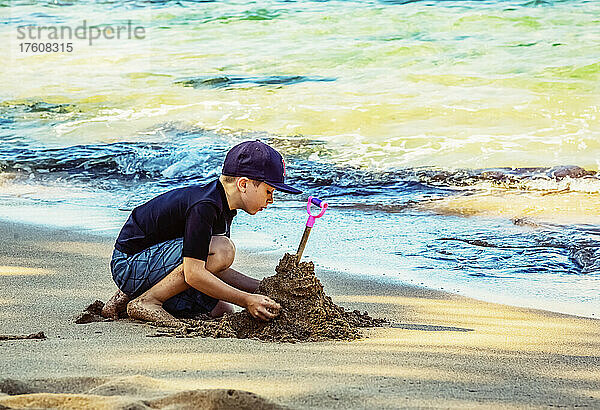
<point x="458" y="142"/>
<point x="469" y="84"/>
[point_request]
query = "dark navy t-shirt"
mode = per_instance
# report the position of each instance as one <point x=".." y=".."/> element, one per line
<point x="194" y="213"/>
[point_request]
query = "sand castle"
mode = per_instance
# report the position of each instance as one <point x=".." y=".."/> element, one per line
<point x="307" y="313"/>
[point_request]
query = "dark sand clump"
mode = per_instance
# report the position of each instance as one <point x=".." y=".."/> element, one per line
<point x="38" y="335"/>
<point x="91" y="313"/>
<point x="307" y="313"/>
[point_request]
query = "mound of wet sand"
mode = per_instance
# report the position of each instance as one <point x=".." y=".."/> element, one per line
<point x="132" y="392"/>
<point x="307" y="313"/>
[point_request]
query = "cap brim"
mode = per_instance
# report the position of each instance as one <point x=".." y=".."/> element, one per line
<point x="284" y="187"/>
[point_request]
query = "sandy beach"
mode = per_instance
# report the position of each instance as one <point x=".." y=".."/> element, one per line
<point x="442" y="351"/>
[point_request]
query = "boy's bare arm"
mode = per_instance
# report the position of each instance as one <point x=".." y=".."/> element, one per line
<point x="197" y="276"/>
<point x="239" y="280"/>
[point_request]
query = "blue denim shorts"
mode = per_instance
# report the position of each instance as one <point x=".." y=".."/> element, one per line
<point x="135" y="274"/>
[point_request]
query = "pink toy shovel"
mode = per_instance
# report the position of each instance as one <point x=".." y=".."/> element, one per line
<point x="309" y="224"/>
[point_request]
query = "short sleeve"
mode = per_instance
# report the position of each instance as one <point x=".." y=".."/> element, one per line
<point x="199" y="224"/>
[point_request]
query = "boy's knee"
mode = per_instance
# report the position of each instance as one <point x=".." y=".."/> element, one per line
<point x="221" y="253"/>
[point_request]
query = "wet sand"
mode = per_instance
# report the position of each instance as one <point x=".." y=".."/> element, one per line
<point x="443" y="350"/>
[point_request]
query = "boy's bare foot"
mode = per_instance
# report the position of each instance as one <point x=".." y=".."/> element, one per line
<point x="151" y="311"/>
<point x="115" y="305"/>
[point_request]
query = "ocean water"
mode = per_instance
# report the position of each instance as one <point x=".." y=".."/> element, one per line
<point x="458" y="142"/>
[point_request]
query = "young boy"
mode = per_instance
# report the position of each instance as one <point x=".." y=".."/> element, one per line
<point x="173" y="254"/>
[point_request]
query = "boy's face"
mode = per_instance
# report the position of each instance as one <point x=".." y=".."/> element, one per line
<point x="256" y="198"/>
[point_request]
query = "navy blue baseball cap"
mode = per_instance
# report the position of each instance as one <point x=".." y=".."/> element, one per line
<point x="256" y="160"/>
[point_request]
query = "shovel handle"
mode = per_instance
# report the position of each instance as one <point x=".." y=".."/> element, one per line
<point x="318" y="202"/>
<point x="309" y="224"/>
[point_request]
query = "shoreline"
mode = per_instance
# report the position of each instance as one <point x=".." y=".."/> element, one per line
<point x="443" y="350"/>
<point x="105" y="228"/>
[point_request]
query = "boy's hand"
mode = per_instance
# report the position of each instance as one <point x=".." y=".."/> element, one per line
<point x="262" y="307"/>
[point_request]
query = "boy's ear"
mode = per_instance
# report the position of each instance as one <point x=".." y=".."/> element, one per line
<point x="242" y="184"/>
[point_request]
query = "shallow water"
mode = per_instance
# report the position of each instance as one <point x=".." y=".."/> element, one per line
<point x="439" y="131"/>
